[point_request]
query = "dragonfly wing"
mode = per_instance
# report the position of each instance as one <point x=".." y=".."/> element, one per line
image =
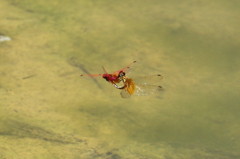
<point x="125" y="69"/>
<point x="144" y="90"/>
<point x="124" y="94"/>
<point x="148" y="80"/>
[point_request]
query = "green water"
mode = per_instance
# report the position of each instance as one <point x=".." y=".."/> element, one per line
<point x="48" y="111"/>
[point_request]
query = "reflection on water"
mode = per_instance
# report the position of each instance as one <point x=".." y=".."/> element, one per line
<point x="47" y="110"/>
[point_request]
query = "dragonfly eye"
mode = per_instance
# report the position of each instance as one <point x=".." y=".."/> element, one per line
<point x="121" y="74"/>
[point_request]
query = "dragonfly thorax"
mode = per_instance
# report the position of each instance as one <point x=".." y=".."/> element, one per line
<point x="110" y="77"/>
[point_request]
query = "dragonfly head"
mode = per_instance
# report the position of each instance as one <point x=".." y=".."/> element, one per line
<point x="121" y="74"/>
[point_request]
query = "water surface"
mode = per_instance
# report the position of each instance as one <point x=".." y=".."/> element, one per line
<point x="48" y="111"/>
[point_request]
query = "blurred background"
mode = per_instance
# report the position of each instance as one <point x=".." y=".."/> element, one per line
<point x="48" y="111"/>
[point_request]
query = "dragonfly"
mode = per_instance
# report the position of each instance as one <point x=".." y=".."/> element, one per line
<point x="140" y="86"/>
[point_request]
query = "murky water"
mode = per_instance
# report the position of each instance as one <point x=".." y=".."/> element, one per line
<point x="48" y="111"/>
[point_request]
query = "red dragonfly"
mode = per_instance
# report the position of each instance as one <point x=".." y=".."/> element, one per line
<point x="144" y="85"/>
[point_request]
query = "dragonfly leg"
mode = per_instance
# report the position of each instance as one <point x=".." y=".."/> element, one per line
<point x="117" y="86"/>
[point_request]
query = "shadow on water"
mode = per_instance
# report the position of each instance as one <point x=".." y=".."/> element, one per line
<point x="73" y="61"/>
<point x="19" y="129"/>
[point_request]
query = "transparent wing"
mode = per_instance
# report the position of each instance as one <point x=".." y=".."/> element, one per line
<point x="144" y="86"/>
<point x="148" y="85"/>
<point x="145" y="90"/>
<point x="125" y="69"/>
<point x="125" y="94"/>
<point x="148" y="80"/>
